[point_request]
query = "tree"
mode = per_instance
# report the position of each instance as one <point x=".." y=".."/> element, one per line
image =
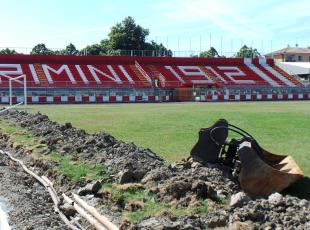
<point x="127" y="35"/>
<point x="247" y="52"/>
<point x="160" y="50"/>
<point x="70" y="50"/>
<point x="124" y="38"/>
<point x="212" y="52"/>
<point x="155" y="49"/>
<point x="8" y="51"/>
<point x="41" y="49"/>
<point x="103" y="48"/>
<point x="91" y="50"/>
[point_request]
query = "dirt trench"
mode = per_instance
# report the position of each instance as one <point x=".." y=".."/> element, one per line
<point x="202" y="193"/>
<point x="28" y="203"/>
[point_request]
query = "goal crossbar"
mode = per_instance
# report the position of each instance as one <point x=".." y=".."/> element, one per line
<point x="23" y="82"/>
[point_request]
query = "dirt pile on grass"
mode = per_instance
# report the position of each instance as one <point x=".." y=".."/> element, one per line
<point x="187" y="182"/>
<point x="128" y="162"/>
<point x="183" y="195"/>
<point x="119" y="157"/>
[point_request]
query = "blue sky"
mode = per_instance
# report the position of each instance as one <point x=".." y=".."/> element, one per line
<point x="182" y="25"/>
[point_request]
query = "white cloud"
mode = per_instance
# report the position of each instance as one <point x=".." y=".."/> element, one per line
<point x="241" y="19"/>
<point x="236" y="21"/>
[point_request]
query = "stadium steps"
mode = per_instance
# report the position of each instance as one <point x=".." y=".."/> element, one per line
<point x="143" y="72"/>
<point x="41" y="75"/>
<point x="142" y="79"/>
<point x="287" y="76"/>
<point x="157" y="75"/>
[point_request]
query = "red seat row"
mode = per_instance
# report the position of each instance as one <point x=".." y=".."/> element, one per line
<point x="141" y="72"/>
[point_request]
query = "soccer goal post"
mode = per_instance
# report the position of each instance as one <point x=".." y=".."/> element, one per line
<point x="22" y="79"/>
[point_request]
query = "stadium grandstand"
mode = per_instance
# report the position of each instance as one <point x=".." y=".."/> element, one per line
<point x="99" y="79"/>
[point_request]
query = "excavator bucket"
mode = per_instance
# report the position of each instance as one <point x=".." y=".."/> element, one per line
<point x="207" y="149"/>
<point x="263" y="173"/>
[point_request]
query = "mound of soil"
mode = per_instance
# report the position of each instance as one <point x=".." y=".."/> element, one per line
<point x="100" y="147"/>
<point x="183" y="184"/>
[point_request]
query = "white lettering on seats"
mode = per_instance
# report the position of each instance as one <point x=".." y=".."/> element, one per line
<point x="34" y="74"/>
<point x="94" y="72"/>
<point x="82" y="74"/>
<point x="195" y="71"/>
<point x="215" y="73"/>
<point x="175" y="73"/>
<point x="62" y="68"/>
<point x="10" y="69"/>
<point x="236" y="73"/>
<point x="126" y="74"/>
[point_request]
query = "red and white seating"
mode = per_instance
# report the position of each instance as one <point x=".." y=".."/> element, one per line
<point x="142" y="72"/>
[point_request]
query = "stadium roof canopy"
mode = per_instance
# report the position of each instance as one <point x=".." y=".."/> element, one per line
<point x="295" y="68"/>
<point x="290" y="50"/>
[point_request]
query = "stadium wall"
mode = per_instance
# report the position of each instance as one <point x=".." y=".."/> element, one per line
<point x="86" y="99"/>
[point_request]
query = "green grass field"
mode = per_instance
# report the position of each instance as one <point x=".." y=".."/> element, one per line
<point x="171" y="130"/>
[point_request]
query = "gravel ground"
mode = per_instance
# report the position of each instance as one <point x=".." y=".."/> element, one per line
<point x="29" y="205"/>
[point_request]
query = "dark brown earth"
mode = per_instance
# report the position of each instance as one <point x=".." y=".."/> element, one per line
<point x="183" y="184"/>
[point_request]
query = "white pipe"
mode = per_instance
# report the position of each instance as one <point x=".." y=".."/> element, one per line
<point x="83" y="213"/>
<point x="10" y="107"/>
<point x="47" y="186"/>
<point x="19" y="77"/>
<point x="102" y="219"/>
<point x="13" y="78"/>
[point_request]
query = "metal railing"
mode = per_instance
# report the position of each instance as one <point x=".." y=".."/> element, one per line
<point x="152" y="91"/>
<point x="140" y="53"/>
<point x="137" y="84"/>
